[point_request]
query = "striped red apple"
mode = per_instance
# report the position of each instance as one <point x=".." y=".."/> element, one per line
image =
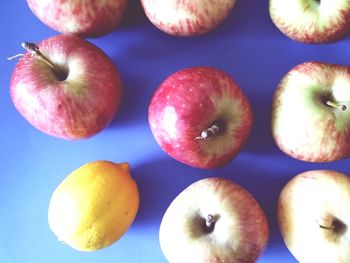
<point x="66" y="87"/>
<point x="188" y="17"/>
<point x="87" y="18"/>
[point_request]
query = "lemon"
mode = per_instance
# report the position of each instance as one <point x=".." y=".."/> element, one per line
<point x="94" y="205"/>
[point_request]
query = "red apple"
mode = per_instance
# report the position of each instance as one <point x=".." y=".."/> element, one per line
<point x="88" y="18"/>
<point x="187" y="18"/>
<point x="314" y="216"/>
<point x="200" y="117"/>
<point x="311" y="112"/>
<point x="66" y="87"/>
<point x="213" y="220"/>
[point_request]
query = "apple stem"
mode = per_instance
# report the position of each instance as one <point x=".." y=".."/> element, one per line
<point x="205" y="134"/>
<point x="336" y="105"/>
<point x="34" y="50"/>
<point x="326" y="226"/>
<point x="209" y="222"/>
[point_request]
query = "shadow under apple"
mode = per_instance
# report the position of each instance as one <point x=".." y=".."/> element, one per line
<point x="260" y="140"/>
<point x="159" y="183"/>
<point x="249" y="22"/>
<point x="134" y="14"/>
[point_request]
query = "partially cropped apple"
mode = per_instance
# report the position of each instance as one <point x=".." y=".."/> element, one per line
<point x="213" y="220"/>
<point x="311" y="112"/>
<point x="312" y="21"/>
<point x="87" y="18"/>
<point x="66" y="87"/>
<point x="187" y="18"/>
<point x="314" y="216"/>
<point x="200" y="117"/>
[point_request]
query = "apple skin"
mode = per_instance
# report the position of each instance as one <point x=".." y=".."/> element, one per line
<point x="311" y="21"/>
<point x="314" y="216"/>
<point x="303" y="125"/>
<point x="190" y="101"/>
<point x="86" y="18"/>
<point x="239" y="233"/>
<point x="189" y="17"/>
<point x="76" y="107"/>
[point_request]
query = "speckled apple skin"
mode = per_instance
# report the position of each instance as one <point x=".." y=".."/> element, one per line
<point x="191" y="100"/>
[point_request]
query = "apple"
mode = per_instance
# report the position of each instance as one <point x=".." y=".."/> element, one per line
<point x="311" y="112"/>
<point x="213" y="220"/>
<point x="66" y="87"/>
<point x="187" y="18"/>
<point x="314" y="216"/>
<point x="311" y="21"/>
<point x="87" y="18"/>
<point x="200" y="117"/>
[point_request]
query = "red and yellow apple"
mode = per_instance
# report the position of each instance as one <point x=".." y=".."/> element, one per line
<point x="311" y="112"/>
<point x="213" y="220"/>
<point x="314" y="216"/>
<point x="311" y="21"/>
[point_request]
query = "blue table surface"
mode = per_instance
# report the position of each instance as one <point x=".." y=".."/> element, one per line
<point x="247" y="46"/>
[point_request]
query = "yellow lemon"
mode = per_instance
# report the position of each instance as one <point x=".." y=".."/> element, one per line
<point x="94" y="205"/>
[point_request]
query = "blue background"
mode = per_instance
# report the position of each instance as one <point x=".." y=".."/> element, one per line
<point x="247" y="46"/>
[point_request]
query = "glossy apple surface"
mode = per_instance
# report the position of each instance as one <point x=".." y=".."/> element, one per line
<point x="76" y="99"/>
<point x="189" y="17"/>
<point x="311" y="112"/>
<point x="213" y="220"/>
<point x="312" y="21"/>
<point x="87" y="18"/>
<point x="200" y="117"/>
<point x="314" y="216"/>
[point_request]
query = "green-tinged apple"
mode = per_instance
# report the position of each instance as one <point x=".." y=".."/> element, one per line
<point x="311" y="112"/>
<point x="213" y="220"/>
<point x="87" y="18"/>
<point x="200" y="117"/>
<point x="66" y="87"/>
<point x="312" y="21"/>
<point x="314" y="216"/>
<point x="188" y="17"/>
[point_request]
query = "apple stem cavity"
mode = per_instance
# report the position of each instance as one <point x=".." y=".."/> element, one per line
<point x="210" y="132"/>
<point x="336" y="105"/>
